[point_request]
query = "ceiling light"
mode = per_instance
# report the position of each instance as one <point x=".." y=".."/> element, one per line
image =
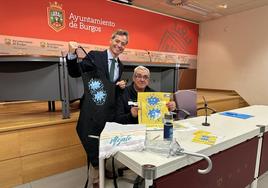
<point x="223" y="6"/>
<point x="129" y="2"/>
<point x="176" y="2"/>
<point x="191" y="7"/>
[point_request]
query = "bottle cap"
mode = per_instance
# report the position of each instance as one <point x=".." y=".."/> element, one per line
<point x="168" y="116"/>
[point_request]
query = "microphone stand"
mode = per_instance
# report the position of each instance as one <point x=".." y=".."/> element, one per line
<point x="206" y="113"/>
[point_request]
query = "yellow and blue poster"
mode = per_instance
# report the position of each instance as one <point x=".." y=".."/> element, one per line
<point x="152" y="107"/>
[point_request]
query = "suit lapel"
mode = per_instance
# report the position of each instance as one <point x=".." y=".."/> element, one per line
<point x="120" y="69"/>
<point x="104" y="60"/>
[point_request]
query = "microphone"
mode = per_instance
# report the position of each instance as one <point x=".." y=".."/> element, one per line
<point x="206" y="112"/>
<point x="149" y="54"/>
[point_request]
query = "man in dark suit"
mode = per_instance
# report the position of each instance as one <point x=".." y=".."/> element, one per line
<point x="97" y="105"/>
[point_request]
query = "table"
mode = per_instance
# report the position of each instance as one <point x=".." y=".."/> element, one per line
<point x="235" y="136"/>
<point x="29" y="77"/>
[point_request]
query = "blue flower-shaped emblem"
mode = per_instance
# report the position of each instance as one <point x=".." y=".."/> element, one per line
<point x="95" y="84"/>
<point x="204" y="138"/>
<point x="99" y="97"/>
<point x="97" y="91"/>
<point x="153" y="100"/>
<point x="154" y="114"/>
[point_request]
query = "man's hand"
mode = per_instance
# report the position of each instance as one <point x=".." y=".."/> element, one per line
<point x="72" y="46"/>
<point x="171" y="105"/>
<point x="134" y="111"/>
<point x="122" y="84"/>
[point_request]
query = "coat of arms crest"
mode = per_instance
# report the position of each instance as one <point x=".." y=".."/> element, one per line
<point x="56" y="16"/>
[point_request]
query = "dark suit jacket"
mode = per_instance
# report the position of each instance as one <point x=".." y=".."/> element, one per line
<point x="98" y="58"/>
<point x="88" y="120"/>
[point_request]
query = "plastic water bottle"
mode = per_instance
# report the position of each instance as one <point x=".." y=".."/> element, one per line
<point x="168" y="126"/>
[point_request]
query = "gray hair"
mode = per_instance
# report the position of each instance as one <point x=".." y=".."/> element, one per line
<point x="120" y="32"/>
<point x="140" y="67"/>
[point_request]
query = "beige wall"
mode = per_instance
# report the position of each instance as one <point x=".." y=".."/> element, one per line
<point x="233" y="54"/>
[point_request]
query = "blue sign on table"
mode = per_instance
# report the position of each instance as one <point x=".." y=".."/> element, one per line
<point x="236" y="115"/>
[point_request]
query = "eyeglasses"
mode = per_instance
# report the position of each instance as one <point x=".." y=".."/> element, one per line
<point x="139" y="76"/>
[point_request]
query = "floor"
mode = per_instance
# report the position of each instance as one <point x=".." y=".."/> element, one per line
<point x="263" y="181"/>
<point x="76" y="179"/>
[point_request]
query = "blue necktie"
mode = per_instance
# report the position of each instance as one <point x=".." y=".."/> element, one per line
<point x="112" y="70"/>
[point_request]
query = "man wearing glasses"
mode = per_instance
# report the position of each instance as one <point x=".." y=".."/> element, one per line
<point x="128" y="114"/>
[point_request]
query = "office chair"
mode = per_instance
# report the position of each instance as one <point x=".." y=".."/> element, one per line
<point x="186" y="101"/>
